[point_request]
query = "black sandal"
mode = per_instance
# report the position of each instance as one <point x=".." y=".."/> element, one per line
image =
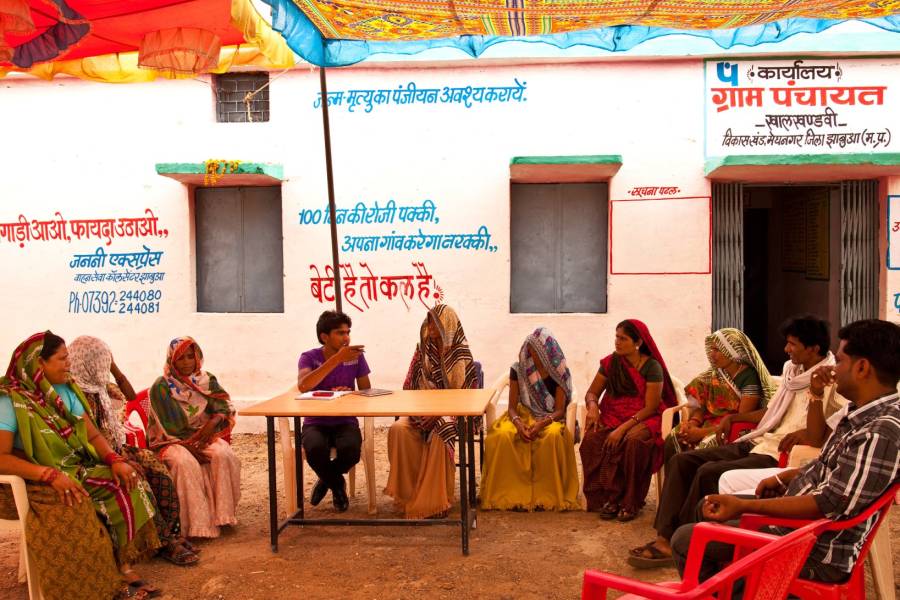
<point x="609" y="511"/>
<point x="657" y="558"/>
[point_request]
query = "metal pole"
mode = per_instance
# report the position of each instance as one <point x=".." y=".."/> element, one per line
<point x="335" y="260"/>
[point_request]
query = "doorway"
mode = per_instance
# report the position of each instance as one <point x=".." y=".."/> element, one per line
<point x="783" y="250"/>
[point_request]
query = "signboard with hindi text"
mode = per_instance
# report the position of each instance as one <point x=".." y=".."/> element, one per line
<point x="801" y="106"/>
<point x="893" y="226"/>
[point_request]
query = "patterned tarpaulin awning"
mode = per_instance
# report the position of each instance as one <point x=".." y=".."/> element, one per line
<point x="380" y="20"/>
<point x="99" y="39"/>
<point x="341" y="32"/>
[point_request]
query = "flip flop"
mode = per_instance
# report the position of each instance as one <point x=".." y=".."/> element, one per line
<point x="640" y="549"/>
<point x="181" y="555"/>
<point x="658" y="559"/>
<point x="136" y="587"/>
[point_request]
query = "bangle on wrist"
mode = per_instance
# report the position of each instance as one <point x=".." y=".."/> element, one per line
<point x="635" y="419"/>
<point x="111" y="458"/>
<point x="49" y="475"/>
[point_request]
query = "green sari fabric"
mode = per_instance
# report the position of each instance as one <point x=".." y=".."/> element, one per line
<point x="54" y="437"/>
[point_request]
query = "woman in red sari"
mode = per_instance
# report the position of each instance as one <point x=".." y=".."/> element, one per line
<point x="622" y="446"/>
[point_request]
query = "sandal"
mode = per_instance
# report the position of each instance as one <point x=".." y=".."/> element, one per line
<point x="187" y="544"/>
<point x="626" y="515"/>
<point x="143" y="589"/>
<point x="655" y="560"/>
<point x="609" y="511"/>
<point x="179" y="554"/>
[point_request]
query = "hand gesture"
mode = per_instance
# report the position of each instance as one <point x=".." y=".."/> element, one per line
<point x="614" y="438"/>
<point x="523" y="431"/>
<point x="124" y="474"/>
<point x="592" y="419"/>
<point x="792" y="439"/>
<point x="770" y="487"/>
<point x="821" y="377"/>
<point x="724" y="430"/>
<point x="721" y="508"/>
<point x="350" y="353"/>
<point x="69" y="491"/>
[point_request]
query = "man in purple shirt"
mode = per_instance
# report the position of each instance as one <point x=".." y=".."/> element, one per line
<point x="335" y="366"/>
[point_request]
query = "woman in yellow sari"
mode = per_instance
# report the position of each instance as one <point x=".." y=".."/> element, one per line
<point x="529" y="453"/>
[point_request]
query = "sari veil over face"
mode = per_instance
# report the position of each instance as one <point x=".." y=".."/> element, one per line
<point x="533" y="392"/>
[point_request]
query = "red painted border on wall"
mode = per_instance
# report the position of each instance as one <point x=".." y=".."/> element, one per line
<point x="708" y="199"/>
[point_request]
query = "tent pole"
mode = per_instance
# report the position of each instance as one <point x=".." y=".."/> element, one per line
<point x="326" y="128"/>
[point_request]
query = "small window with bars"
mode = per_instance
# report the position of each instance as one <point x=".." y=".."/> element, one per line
<point x="242" y="98"/>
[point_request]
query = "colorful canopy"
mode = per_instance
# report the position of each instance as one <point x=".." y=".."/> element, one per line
<point x="107" y="39"/>
<point x="342" y="32"/>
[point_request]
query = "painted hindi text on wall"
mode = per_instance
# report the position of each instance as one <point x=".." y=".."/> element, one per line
<point x="395" y="239"/>
<point x="802" y="106"/>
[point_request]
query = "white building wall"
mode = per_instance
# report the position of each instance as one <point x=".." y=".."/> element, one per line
<point x="88" y="151"/>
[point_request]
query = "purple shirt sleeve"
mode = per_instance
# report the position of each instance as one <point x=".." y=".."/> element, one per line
<point x="308" y="361"/>
<point x="362" y="367"/>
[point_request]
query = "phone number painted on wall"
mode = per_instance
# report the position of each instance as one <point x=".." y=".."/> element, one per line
<point x="124" y="302"/>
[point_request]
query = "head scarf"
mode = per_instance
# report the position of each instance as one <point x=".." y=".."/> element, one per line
<point x="735" y="344"/>
<point x="445" y="363"/>
<point x="533" y="393"/>
<point x="668" y="391"/>
<point x="181" y="404"/>
<point x="90" y="360"/>
<point x="51" y="435"/>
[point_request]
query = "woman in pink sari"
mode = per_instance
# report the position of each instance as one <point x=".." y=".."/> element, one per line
<point x="622" y="446"/>
<point x="190" y="416"/>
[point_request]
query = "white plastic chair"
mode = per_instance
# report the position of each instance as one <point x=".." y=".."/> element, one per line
<point x="287" y="463"/>
<point x="574" y="412"/>
<point x="668" y="417"/>
<point x="21" y="498"/>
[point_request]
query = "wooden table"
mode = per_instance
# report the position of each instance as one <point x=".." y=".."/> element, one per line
<point x="465" y="405"/>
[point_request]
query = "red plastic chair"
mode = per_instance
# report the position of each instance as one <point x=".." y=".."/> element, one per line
<point x="770" y="565"/>
<point x="853" y="588"/>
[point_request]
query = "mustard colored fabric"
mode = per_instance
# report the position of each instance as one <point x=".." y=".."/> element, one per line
<point x="529" y="476"/>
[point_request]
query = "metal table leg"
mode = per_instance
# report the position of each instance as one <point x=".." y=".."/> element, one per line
<point x="462" y="427"/>
<point x="473" y="501"/>
<point x="298" y="464"/>
<point x="273" y="491"/>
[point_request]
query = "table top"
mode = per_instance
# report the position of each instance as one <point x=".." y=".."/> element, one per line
<point x="400" y="403"/>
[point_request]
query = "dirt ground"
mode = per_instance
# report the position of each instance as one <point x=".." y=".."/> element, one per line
<point x="513" y="555"/>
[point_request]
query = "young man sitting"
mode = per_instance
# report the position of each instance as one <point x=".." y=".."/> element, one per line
<point x="858" y="464"/>
<point x="690" y="476"/>
<point x="335" y="366"/>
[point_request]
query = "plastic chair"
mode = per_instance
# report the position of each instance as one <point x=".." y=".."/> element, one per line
<point x="26" y="572"/>
<point x="855" y="587"/>
<point x="575" y="412"/>
<point x="668" y="418"/>
<point x="769" y="566"/>
<point x="287" y="463"/>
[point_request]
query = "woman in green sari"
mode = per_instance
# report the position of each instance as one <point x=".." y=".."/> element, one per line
<point x="47" y="436"/>
<point x="736" y="382"/>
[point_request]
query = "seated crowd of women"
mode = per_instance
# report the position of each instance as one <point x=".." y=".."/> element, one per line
<point x="99" y="504"/>
<point x="529" y="462"/>
<point x="63" y="429"/>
